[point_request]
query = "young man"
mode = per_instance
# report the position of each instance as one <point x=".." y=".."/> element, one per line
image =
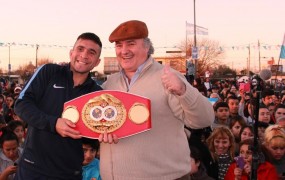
<point x="222" y="115"/>
<point x="266" y="96"/>
<point x="53" y="149"/>
<point x="233" y="104"/>
<point x="174" y="103"/>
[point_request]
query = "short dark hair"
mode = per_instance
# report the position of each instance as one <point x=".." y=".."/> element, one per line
<point x="7" y="135"/>
<point x="282" y="106"/>
<point x="221" y="104"/>
<point x="195" y="154"/>
<point x="15" y="123"/>
<point x="267" y="92"/>
<point x="232" y="98"/>
<point x="90" y="36"/>
<point x="93" y="143"/>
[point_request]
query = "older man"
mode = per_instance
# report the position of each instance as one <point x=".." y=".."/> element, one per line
<point x="162" y="152"/>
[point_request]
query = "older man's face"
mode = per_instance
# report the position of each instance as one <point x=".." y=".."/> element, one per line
<point x="131" y="54"/>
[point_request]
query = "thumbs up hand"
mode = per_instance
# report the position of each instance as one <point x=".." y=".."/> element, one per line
<point x="172" y="82"/>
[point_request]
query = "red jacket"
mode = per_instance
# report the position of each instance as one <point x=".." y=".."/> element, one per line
<point x="265" y="171"/>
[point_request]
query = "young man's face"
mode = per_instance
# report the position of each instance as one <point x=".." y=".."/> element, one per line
<point x="264" y="115"/>
<point x="267" y="100"/>
<point x="84" y="56"/>
<point x="222" y="113"/>
<point x="233" y="106"/>
<point x="89" y="154"/>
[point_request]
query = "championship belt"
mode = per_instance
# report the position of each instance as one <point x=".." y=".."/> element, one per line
<point x="117" y="112"/>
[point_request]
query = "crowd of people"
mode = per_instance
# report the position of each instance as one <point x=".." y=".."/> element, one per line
<point x="190" y="138"/>
<point x="234" y="134"/>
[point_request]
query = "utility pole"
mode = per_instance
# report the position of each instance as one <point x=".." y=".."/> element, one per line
<point x="195" y="49"/>
<point x="37" y="48"/>
<point x="9" y="65"/>
<point x="248" y="67"/>
<point x="259" y="55"/>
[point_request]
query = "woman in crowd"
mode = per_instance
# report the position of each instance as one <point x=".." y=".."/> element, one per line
<point x="9" y="154"/>
<point x="248" y="110"/>
<point x="236" y="125"/>
<point x="274" y="143"/>
<point x="241" y="169"/>
<point x="2" y="120"/>
<point x="8" y="108"/>
<point x="18" y="128"/>
<point x="221" y="144"/>
<point x="246" y="132"/>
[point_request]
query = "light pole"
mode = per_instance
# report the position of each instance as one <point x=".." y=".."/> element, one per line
<point x="37" y="48"/>
<point x="194" y="49"/>
<point x="9" y="65"/>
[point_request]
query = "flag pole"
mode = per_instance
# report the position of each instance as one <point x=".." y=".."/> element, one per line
<point x="277" y="72"/>
<point x="280" y="56"/>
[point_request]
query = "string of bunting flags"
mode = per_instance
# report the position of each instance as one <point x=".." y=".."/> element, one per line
<point x="220" y="48"/>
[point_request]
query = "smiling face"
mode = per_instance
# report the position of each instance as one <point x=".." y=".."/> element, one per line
<point x="84" y="56"/>
<point x="221" y="144"/>
<point x="131" y="54"/>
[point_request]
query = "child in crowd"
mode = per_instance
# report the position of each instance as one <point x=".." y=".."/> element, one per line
<point x="241" y="169"/>
<point x="9" y="154"/>
<point x="274" y="142"/>
<point x="90" y="164"/>
<point x="221" y="144"/>
<point x="198" y="171"/>
<point x="18" y="128"/>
